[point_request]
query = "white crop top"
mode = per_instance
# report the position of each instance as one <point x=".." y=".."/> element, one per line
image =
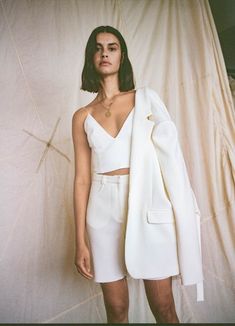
<point x="109" y="153"/>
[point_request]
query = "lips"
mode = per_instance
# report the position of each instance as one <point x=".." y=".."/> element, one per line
<point x="105" y="63"/>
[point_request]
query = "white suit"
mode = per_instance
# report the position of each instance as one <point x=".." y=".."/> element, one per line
<point x="163" y="224"/>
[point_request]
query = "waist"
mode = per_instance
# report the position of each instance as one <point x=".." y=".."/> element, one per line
<point x="119" y="171"/>
<point x="104" y="178"/>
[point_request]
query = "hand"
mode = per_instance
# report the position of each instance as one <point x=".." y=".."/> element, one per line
<point x="83" y="262"/>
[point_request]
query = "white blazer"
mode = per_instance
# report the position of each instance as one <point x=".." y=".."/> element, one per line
<point x="163" y="224"/>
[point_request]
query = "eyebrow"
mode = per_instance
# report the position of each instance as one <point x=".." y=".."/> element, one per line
<point x="108" y="44"/>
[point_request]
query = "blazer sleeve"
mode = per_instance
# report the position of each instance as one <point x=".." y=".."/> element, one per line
<point x="176" y="180"/>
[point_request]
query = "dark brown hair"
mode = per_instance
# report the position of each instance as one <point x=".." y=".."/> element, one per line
<point x="90" y="78"/>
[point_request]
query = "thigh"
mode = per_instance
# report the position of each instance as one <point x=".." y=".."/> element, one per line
<point x="116" y="293"/>
<point x="161" y="300"/>
<point x="159" y="291"/>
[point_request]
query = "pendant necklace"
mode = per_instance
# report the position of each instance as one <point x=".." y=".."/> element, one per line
<point x="108" y="108"/>
<point x="107" y="113"/>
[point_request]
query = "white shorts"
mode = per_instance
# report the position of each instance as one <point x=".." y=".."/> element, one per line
<point x="106" y="224"/>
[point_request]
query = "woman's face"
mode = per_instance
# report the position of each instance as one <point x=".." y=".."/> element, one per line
<point x="108" y="54"/>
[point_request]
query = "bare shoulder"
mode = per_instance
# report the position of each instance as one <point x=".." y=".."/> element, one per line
<point x="127" y="98"/>
<point x="81" y="113"/>
<point x="128" y="93"/>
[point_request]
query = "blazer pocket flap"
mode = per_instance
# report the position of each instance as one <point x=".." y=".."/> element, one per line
<point x="160" y="216"/>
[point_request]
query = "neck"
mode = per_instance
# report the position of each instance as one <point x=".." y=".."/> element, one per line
<point x="109" y="87"/>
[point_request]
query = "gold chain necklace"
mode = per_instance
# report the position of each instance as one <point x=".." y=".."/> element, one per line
<point x="108" y="112"/>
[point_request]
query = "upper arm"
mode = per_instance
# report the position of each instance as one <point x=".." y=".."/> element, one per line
<point x="82" y="152"/>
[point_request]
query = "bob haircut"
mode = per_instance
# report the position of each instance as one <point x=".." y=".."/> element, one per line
<point x="90" y="78"/>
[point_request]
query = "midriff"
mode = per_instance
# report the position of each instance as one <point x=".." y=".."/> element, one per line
<point x="117" y="172"/>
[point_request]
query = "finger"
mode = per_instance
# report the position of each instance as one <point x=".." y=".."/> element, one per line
<point x="86" y="275"/>
<point x="83" y="270"/>
<point x="87" y="264"/>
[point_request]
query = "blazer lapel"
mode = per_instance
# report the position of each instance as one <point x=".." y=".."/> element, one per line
<point x="141" y="133"/>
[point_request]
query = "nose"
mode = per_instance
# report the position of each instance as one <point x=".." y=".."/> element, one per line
<point x="104" y="54"/>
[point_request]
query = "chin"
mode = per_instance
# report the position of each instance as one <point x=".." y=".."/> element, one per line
<point x="105" y="72"/>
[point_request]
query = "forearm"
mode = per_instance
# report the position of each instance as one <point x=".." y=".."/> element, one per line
<point x="81" y="195"/>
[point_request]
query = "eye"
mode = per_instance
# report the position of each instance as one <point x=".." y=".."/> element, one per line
<point x="112" y="49"/>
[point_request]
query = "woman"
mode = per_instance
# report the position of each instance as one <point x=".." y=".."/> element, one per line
<point x="132" y="196"/>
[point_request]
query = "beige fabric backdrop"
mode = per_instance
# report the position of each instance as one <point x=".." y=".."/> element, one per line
<point x="174" y="48"/>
